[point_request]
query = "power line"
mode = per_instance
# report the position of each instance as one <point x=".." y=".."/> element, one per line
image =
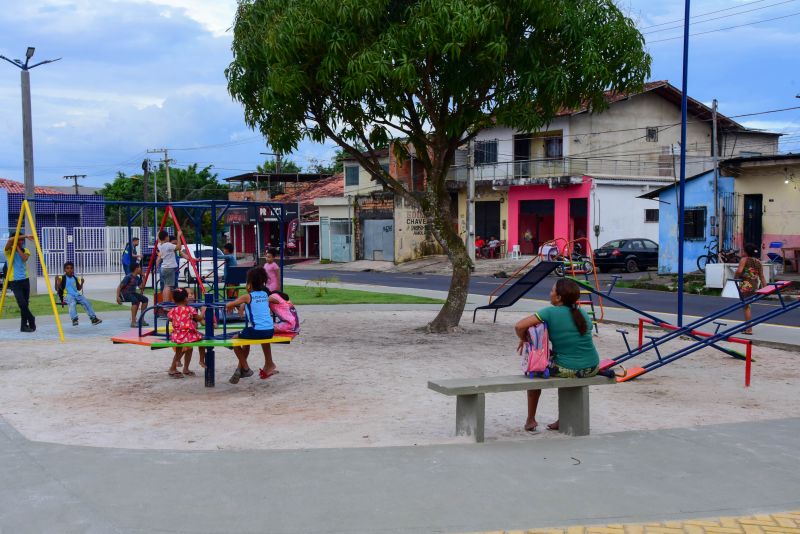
<point x="727" y="28"/>
<point x="719" y="18"/>
<point x="704" y="14"/>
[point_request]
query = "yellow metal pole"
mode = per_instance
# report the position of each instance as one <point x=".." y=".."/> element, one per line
<point x="44" y="269"/>
<point x="11" y="260"/>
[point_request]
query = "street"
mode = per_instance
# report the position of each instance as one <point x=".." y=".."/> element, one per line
<point x="647" y="300"/>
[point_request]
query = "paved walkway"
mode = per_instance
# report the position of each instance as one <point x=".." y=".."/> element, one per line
<point x="755" y="524"/>
<point x="630" y="477"/>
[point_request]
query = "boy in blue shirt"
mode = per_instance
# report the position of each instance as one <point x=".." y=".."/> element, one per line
<point x="70" y="286"/>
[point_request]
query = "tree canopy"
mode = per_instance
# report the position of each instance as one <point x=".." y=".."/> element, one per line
<point x="433" y="73"/>
<point x="270" y="165"/>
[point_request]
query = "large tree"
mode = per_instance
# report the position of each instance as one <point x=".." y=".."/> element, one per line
<point x="431" y="72"/>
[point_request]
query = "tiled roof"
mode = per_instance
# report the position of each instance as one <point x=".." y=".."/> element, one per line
<point x="18" y="187"/>
<point x="306" y="193"/>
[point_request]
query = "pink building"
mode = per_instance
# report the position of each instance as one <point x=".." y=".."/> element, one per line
<point x="540" y="213"/>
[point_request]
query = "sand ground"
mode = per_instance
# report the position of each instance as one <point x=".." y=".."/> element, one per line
<point x="354" y="379"/>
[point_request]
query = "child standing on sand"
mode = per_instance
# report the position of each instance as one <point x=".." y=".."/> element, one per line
<point x="184" y="321"/>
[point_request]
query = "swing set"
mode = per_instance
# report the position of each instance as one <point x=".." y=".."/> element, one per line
<point x="25" y="212"/>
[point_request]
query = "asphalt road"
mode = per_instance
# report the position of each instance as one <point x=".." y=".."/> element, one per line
<point x="652" y="301"/>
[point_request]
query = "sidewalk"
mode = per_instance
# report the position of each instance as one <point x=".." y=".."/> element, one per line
<point x="630" y="477"/>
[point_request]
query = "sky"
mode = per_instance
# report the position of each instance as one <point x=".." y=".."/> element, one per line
<point x="148" y="74"/>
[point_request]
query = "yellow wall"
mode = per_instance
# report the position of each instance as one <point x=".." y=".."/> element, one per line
<point x="365" y="182"/>
<point x="486" y="194"/>
<point x="781" y="215"/>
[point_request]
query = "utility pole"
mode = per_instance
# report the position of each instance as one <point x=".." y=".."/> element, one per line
<point x="27" y="148"/>
<point x="470" y="201"/>
<point x="145" y="175"/>
<point x="166" y="161"/>
<point x="682" y="184"/>
<point x="277" y="169"/>
<point x="715" y="158"/>
<point x="75" y="177"/>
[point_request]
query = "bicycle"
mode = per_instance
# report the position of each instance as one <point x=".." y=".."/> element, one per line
<point x="714" y="256"/>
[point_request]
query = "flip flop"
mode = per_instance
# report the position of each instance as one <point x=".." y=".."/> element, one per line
<point x="263" y="375"/>
<point x="176" y="374"/>
<point x="189" y="373"/>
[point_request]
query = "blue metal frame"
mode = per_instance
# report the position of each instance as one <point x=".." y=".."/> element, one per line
<point x="192" y="208"/>
<point x="685" y="330"/>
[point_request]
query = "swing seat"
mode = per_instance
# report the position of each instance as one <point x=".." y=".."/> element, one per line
<point x="223" y="343"/>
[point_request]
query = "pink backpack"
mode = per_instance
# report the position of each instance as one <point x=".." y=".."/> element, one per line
<point x="536" y="352"/>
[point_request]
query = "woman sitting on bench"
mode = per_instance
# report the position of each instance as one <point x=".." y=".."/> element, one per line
<point x="569" y="329"/>
<point x="259" y="324"/>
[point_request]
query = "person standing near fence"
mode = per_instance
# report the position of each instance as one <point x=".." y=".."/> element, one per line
<point x="18" y="280"/>
<point x="130" y="255"/>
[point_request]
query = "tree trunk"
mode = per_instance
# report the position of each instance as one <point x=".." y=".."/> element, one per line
<point x="448" y="318"/>
<point x="450" y="315"/>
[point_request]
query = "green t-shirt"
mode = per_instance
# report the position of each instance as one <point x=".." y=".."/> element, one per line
<point x="572" y="350"/>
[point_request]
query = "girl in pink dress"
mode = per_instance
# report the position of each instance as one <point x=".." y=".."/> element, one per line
<point x="184" y="321"/>
<point x="288" y="322"/>
<point x="273" y="272"/>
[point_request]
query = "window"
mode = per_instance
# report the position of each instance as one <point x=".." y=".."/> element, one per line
<point x="651" y="215"/>
<point x="351" y="176"/>
<point x="554" y="147"/>
<point x="649" y="245"/>
<point x="694" y="224"/>
<point x="652" y="135"/>
<point x="485" y="152"/>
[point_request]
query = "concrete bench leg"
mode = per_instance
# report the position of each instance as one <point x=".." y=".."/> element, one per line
<point x="573" y="411"/>
<point x="470" y="412"/>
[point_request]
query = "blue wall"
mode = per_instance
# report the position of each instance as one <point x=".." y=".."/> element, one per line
<point x="4" y="232"/>
<point x="699" y="193"/>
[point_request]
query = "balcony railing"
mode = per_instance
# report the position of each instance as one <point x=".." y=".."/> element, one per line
<point x="532" y="171"/>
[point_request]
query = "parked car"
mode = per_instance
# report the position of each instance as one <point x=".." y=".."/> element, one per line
<point x="205" y="260"/>
<point x="628" y="254"/>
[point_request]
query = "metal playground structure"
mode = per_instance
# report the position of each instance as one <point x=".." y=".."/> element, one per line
<point x="220" y="330"/>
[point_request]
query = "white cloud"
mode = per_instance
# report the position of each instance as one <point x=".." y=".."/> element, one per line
<point x="773" y="126"/>
<point x="216" y="16"/>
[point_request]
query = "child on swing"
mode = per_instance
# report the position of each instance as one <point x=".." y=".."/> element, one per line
<point x="184" y="321"/>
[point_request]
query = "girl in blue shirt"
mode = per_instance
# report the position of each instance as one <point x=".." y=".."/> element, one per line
<point x="259" y="324"/>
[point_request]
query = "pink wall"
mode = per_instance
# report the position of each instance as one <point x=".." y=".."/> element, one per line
<point x="561" y="196"/>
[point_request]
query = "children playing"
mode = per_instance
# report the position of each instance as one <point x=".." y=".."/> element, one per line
<point x="128" y="291"/>
<point x="69" y="286"/>
<point x="260" y="324"/>
<point x="184" y="321"/>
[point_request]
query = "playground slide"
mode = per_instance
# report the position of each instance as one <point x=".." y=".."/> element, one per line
<point x="520" y="288"/>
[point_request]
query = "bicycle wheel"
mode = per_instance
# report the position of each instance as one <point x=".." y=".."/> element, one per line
<point x="702" y="261"/>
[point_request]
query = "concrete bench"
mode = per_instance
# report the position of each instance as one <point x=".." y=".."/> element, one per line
<point x="573" y="399"/>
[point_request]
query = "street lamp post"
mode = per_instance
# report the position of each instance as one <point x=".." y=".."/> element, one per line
<point x="27" y="143"/>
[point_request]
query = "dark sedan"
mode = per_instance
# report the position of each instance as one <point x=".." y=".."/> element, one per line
<point x="628" y="254"/>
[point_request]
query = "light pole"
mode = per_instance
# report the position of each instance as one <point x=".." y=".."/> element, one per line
<point x="27" y="144"/>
